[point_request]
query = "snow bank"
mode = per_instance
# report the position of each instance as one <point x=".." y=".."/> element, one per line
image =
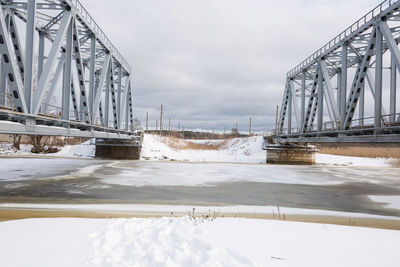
<point x="84" y="150"/>
<point x="351" y="161"/>
<point x="247" y="150"/>
<point x="181" y="242"/>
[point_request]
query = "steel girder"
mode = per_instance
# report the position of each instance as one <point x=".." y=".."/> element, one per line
<point x="62" y="41"/>
<point x="328" y="75"/>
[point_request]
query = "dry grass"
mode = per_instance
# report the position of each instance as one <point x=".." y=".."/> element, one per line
<point x="395" y="162"/>
<point x="369" y="152"/>
<point x="372" y="151"/>
<point x="182" y="144"/>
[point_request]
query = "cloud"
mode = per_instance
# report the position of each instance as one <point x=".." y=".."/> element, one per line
<point x="217" y="62"/>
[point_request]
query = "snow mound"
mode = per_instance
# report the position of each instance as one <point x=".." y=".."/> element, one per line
<point x="159" y="242"/>
<point x="248" y="150"/>
<point x="84" y="150"/>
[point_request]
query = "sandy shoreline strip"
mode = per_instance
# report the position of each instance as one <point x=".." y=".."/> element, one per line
<point x="18" y="214"/>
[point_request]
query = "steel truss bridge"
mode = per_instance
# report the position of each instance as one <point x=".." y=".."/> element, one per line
<point x="329" y="93"/>
<point x="54" y="48"/>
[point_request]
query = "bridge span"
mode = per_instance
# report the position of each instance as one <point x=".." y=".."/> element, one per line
<point x="60" y="74"/>
<point x="346" y="90"/>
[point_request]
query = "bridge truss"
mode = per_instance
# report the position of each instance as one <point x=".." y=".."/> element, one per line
<point x="328" y="93"/>
<point x="54" y="49"/>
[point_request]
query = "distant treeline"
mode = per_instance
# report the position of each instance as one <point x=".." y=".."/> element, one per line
<point x="198" y="135"/>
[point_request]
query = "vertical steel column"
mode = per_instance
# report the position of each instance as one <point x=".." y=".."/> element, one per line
<point x="343" y="86"/>
<point x="320" y="100"/>
<point x="107" y="97"/>
<point x="289" y="108"/>
<point x="3" y="75"/>
<point x="3" y="84"/>
<point x="378" y="78"/>
<point x="66" y="90"/>
<point x="92" y="72"/>
<point x="303" y="99"/>
<point x="29" y="41"/>
<point x="119" y="96"/>
<point x="127" y="104"/>
<point x="338" y="84"/>
<point x="361" y="105"/>
<point x="393" y="85"/>
<point x="41" y="53"/>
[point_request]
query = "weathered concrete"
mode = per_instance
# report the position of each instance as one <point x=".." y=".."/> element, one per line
<point x="291" y="154"/>
<point x="118" y="149"/>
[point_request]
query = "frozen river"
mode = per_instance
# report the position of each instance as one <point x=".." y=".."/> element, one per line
<point x="70" y="181"/>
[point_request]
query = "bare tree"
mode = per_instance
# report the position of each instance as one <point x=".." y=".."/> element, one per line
<point x="16" y="141"/>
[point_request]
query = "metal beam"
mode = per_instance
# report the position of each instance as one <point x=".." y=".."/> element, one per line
<point x="51" y="60"/>
<point x="329" y="96"/>
<point x="99" y="87"/>
<point x="303" y="100"/>
<point x="390" y="41"/>
<point x="29" y="45"/>
<point x="295" y="104"/>
<point x="320" y="101"/>
<point x="53" y="83"/>
<point x="11" y="67"/>
<point x="359" y="79"/>
<point x="393" y="83"/>
<point x="67" y="84"/>
<point x="378" y="78"/>
<point x="92" y="72"/>
<point x="84" y="111"/>
<point x="343" y="85"/>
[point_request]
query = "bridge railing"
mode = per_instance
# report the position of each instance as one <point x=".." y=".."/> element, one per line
<point x="366" y="123"/>
<point x="84" y="14"/>
<point x="356" y="25"/>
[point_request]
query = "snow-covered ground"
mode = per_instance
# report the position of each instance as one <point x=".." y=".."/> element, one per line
<point x="186" y="242"/>
<point x="237" y="150"/>
<point x="244" y="150"/>
<point x="247" y="150"/>
<point x="84" y="150"/>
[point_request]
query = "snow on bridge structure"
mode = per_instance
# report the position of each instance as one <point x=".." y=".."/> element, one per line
<point x="52" y="51"/>
<point x="330" y="93"/>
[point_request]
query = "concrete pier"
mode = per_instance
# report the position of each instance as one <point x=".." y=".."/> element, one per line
<point x="118" y="149"/>
<point x="291" y="154"/>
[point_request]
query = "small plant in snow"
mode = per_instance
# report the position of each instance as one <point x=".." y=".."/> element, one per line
<point x="207" y="217"/>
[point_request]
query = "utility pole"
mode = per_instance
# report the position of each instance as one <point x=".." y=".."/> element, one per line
<point x="169" y="126"/>
<point x="147" y="121"/>
<point x="224" y="132"/>
<point x="179" y="126"/>
<point x="276" y="119"/>
<point x="156" y="125"/>
<point x="237" y="131"/>
<point x="161" y="114"/>
<point x="250" y="127"/>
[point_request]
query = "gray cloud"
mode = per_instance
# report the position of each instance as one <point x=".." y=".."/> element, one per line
<point x="217" y="62"/>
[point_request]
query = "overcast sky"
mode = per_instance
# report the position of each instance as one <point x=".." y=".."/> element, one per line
<point x="213" y="63"/>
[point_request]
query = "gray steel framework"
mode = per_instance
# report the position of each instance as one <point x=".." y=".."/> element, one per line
<point x="50" y="46"/>
<point x="326" y="92"/>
